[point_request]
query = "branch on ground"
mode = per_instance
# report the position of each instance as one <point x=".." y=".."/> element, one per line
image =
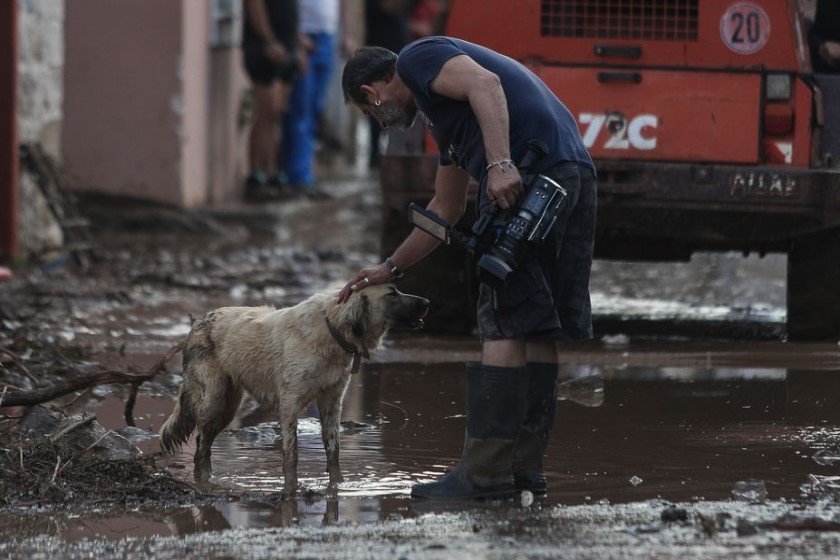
<point x="86" y="380"/>
<point x="158" y="367"/>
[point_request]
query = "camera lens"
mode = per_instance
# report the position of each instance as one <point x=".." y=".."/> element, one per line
<point x="494" y="271"/>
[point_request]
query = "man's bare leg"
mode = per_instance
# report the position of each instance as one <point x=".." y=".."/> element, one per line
<point x="544" y="352"/>
<point x="503" y="353"/>
<point x="262" y="149"/>
<point x="281" y="101"/>
<point x="515" y="353"/>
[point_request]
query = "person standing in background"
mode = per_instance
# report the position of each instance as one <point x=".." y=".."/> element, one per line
<point x="824" y="37"/>
<point x="425" y="18"/>
<point x="270" y="52"/>
<point x="319" y="26"/>
<point x="386" y="24"/>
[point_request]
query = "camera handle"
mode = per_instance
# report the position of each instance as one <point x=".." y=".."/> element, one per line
<point x="432" y="224"/>
<point x="534" y="152"/>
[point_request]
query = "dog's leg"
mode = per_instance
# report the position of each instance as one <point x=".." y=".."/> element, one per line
<point x="330" y="512"/>
<point x="201" y="459"/>
<point x="288" y="429"/>
<point x="289" y="514"/>
<point x="329" y="405"/>
<point x="218" y="406"/>
<point x="204" y="441"/>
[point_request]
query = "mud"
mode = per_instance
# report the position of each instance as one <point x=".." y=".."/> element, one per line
<point x="39" y="472"/>
<point x="684" y="421"/>
<point x="601" y="531"/>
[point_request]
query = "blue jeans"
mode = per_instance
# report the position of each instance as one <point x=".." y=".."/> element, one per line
<point x="305" y="106"/>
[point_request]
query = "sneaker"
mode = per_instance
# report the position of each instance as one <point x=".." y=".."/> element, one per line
<point x="279" y="183"/>
<point x="257" y="188"/>
<point x="278" y="179"/>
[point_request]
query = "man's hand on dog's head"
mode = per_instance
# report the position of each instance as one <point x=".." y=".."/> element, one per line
<point x="364" y="278"/>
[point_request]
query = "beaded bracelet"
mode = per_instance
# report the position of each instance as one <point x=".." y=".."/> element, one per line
<point x="502" y="162"/>
<point x="395" y="272"/>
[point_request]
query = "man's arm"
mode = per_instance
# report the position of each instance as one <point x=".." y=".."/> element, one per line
<point x="348" y="43"/>
<point x="449" y="202"/>
<point x="461" y="78"/>
<point x="830" y="52"/>
<point x="258" y="19"/>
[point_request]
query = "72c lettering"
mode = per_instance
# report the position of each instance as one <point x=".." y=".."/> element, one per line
<point x="638" y="133"/>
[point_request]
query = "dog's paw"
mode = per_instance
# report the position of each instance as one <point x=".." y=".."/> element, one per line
<point x="290" y="492"/>
<point x="310" y="495"/>
<point x="202" y="475"/>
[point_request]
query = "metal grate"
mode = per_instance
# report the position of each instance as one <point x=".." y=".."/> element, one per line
<point x="652" y="20"/>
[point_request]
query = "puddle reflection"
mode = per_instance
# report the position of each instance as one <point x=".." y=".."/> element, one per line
<point x="685" y="432"/>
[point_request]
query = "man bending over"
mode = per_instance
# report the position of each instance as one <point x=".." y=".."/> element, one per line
<point x="482" y="108"/>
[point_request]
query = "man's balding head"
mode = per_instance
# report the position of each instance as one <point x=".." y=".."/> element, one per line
<point x="366" y="66"/>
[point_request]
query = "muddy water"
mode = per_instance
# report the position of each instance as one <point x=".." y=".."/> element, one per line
<point x="688" y="431"/>
<point x="684" y="420"/>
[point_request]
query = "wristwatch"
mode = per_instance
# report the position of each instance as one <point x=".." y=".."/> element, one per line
<point x="392" y="268"/>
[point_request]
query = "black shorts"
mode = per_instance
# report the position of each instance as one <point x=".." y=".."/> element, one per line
<point x="547" y="296"/>
<point x="264" y="72"/>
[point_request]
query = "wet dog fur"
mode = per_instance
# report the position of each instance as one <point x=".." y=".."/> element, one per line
<point x="285" y="358"/>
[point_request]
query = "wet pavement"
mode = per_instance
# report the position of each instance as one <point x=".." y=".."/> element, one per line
<point x="683" y="420"/>
<point x="599" y="531"/>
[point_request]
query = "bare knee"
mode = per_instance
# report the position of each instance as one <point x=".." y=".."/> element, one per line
<point x="503" y="353"/>
<point x="542" y="352"/>
<point x="278" y="110"/>
<point x="269" y="105"/>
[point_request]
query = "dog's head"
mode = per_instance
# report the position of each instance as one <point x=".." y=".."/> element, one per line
<point x="369" y="313"/>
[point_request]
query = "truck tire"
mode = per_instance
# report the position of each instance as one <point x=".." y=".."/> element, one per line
<point x="813" y="287"/>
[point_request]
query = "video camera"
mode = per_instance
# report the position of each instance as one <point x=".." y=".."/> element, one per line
<point x="503" y="238"/>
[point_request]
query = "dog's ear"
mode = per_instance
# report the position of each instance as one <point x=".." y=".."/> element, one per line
<point x="359" y="317"/>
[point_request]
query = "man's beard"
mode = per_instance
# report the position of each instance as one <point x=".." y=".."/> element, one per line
<point x="393" y="114"/>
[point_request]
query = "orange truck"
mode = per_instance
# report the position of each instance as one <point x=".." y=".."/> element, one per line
<point x="709" y="130"/>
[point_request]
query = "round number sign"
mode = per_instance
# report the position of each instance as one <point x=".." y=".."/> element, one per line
<point x="745" y="27"/>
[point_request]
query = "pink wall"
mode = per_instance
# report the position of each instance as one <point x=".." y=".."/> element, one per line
<point x="196" y="79"/>
<point x="135" y="98"/>
<point x="227" y="141"/>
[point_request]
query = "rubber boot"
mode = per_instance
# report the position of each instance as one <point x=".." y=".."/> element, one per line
<point x="496" y="399"/>
<point x="539" y="419"/>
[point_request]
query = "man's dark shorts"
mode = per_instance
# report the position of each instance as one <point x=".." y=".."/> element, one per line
<point x="547" y="297"/>
<point x="262" y="71"/>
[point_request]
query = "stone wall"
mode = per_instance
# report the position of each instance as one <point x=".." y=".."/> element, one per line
<point x="808" y="7"/>
<point x="40" y="98"/>
<point x="41" y="66"/>
<point x="135" y="99"/>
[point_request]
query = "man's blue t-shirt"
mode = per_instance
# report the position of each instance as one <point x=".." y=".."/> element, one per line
<point x="534" y="111"/>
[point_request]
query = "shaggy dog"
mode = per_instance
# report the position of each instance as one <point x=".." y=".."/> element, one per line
<point x="286" y="359"/>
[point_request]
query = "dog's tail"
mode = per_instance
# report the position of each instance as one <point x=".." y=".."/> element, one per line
<point x="179" y="425"/>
